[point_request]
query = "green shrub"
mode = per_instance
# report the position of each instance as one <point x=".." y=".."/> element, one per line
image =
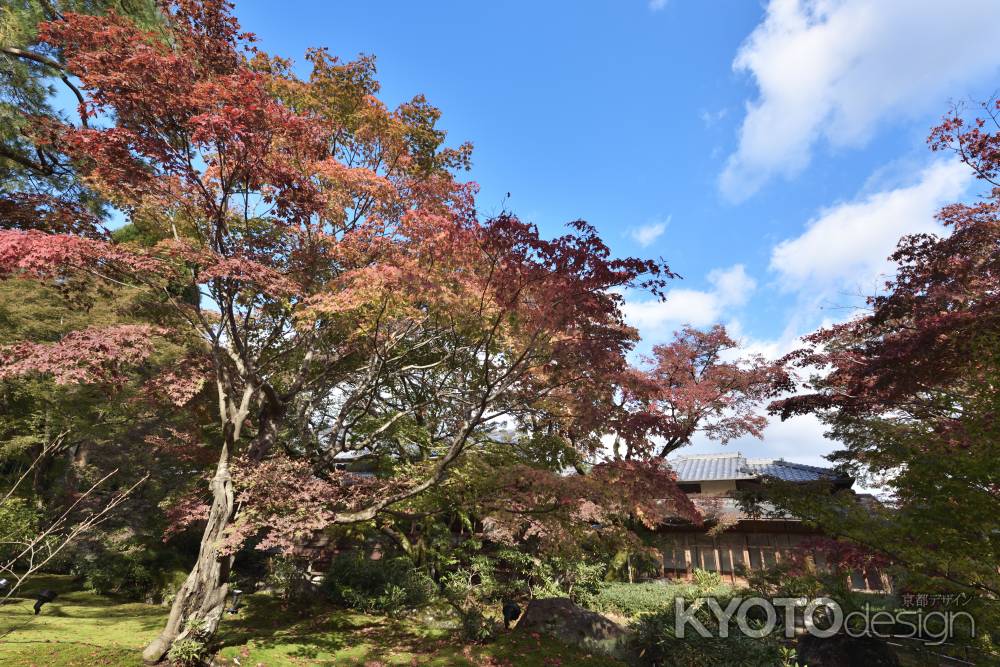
<point x="289" y="579"/>
<point x="470" y="592"/>
<point x="476" y="626"/>
<point x="18" y="524"/>
<point x="633" y="600"/>
<point x="187" y="653"/>
<point x="171" y="579"/>
<point x="385" y="585"/>
<point x="122" y="574"/>
<point x="554" y="577"/>
<point x="705" y="580"/>
<point x="656" y="643"/>
<point x="792" y="581"/>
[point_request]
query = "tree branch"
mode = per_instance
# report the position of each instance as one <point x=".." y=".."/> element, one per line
<point x="56" y="65"/>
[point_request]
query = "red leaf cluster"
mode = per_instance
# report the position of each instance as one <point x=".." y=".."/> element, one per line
<point x="843" y="554"/>
<point x="38" y="254"/>
<point x="90" y="356"/>
<point x="24" y="211"/>
<point x="285" y="503"/>
<point x="696" y="383"/>
<point x="532" y="503"/>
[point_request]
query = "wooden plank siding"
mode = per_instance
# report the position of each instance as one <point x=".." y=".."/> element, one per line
<point x="684" y="552"/>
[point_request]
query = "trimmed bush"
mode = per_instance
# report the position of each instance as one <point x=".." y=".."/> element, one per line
<point x="18" y="524"/>
<point x="385" y="585"/>
<point x="657" y="644"/>
<point x="121" y="574"/>
<point x="289" y="579"/>
<point x="633" y="600"/>
<point x="706" y="581"/>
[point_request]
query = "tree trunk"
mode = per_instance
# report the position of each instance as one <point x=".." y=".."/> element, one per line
<point x="200" y="602"/>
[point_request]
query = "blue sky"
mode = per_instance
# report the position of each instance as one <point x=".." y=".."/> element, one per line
<point x="771" y="152"/>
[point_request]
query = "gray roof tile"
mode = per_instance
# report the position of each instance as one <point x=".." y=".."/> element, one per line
<point x="708" y="467"/>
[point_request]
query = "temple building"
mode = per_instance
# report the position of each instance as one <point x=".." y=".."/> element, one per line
<point x="744" y="540"/>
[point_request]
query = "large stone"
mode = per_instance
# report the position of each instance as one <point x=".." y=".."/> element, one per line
<point x="573" y="625"/>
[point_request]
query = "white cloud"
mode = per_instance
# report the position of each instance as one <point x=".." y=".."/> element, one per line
<point x="790" y="338"/>
<point x="648" y="233"/>
<point x="799" y="439"/>
<point x="730" y="288"/>
<point x="833" y="69"/>
<point x="846" y="246"/>
<point x="657" y="5"/>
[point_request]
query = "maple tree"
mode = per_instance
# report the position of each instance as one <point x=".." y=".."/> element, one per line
<point x="910" y="389"/>
<point x="697" y="383"/>
<point x="327" y="271"/>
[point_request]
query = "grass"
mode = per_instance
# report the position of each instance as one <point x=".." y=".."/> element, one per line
<point x="77" y="628"/>
<point x="80" y="628"/>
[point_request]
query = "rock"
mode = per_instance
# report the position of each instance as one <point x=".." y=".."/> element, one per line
<point x="844" y="651"/>
<point x="572" y="624"/>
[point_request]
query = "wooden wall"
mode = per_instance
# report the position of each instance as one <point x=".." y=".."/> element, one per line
<point x="684" y="552"/>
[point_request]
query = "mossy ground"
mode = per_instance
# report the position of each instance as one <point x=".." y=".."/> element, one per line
<point x="81" y="628"/>
<point x="78" y="628"/>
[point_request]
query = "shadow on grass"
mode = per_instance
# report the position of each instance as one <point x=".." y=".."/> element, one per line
<point x="86" y="629"/>
<point x="144" y="616"/>
<point x="323" y="633"/>
<point x="73" y="655"/>
<point x="270" y="623"/>
<point x="78" y="617"/>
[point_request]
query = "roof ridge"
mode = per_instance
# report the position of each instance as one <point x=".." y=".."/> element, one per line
<point x="806" y="465"/>
<point x="786" y="462"/>
<point x="721" y="455"/>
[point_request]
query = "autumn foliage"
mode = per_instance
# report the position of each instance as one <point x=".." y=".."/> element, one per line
<point x="697" y="383"/>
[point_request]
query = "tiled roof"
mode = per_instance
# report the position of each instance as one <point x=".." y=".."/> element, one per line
<point x="788" y="471"/>
<point x="708" y="467"/>
<point x="701" y="468"/>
